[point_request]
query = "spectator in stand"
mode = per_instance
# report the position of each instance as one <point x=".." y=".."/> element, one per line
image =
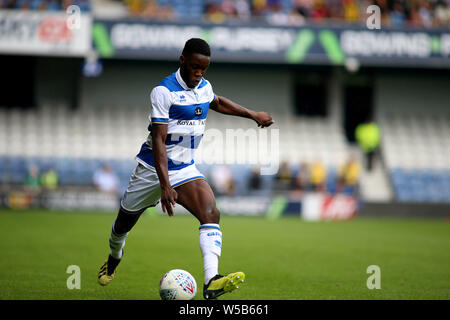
<point x="303" y="7"/>
<point x="259" y="8"/>
<point x="106" y="180"/>
<point x="149" y="9"/>
<point x="318" y="176"/>
<point x="300" y="182"/>
<point x="320" y="11"/>
<point x="228" y="8"/>
<point x="243" y="10"/>
<point x="295" y="18"/>
<point x="214" y="14"/>
<point x="152" y="10"/>
<point x="351" y="10"/>
<point x="398" y="14"/>
<point x="414" y="19"/>
<point x="32" y="182"/>
<point x="135" y="7"/>
<point x="425" y="12"/>
<point x="284" y="177"/>
<point x="222" y="180"/>
<point x="442" y="13"/>
<point x="367" y="135"/>
<point x="348" y="176"/>
<point x="336" y="9"/>
<point x="276" y="16"/>
<point x="49" y="179"/>
<point x="254" y="183"/>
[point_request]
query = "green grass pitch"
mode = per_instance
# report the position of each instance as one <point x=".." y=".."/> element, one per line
<point x="284" y="259"/>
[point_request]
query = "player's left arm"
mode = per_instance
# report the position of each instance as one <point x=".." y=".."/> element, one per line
<point x="226" y="106"/>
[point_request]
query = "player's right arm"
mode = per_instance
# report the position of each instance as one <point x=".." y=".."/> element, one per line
<point x="168" y="194"/>
<point x="160" y="99"/>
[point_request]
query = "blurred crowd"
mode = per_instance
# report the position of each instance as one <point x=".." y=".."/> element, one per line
<point x="226" y="180"/>
<point x="399" y="13"/>
<point x="47" y="5"/>
<point x="394" y="13"/>
<point x="312" y="176"/>
<point x="36" y="180"/>
<point x="317" y="177"/>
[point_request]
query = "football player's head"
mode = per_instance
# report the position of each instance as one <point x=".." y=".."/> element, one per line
<point x="194" y="61"/>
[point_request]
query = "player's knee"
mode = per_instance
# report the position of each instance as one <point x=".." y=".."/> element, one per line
<point x="212" y="214"/>
<point x="216" y="214"/>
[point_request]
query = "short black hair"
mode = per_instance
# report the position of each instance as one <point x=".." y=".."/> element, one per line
<point x="196" y="45"/>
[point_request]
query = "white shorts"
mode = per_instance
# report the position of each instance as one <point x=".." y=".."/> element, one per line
<point x="144" y="190"/>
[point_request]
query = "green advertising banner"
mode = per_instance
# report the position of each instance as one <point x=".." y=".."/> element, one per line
<point x="264" y="44"/>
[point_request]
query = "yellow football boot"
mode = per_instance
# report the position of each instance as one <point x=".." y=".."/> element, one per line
<point x="219" y="285"/>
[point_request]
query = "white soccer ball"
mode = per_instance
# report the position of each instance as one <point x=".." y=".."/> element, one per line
<point x="177" y="284"/>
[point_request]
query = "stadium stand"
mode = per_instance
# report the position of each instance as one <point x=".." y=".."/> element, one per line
<point x="416" y="149"/>
<point x="395" y="13"/>
<point x="76" y="143"/>
<point x="398" y="13"/>
<point x="48" y="5"/>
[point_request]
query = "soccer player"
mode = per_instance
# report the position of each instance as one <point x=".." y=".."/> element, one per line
<point x="166" y="171"/>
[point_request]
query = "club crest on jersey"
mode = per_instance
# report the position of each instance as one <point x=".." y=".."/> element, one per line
<point x="198" y="111"/>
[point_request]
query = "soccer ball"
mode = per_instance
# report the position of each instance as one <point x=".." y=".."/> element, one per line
<point x="177" y="284"/>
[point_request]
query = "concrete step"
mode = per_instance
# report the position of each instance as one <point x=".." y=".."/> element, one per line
<point x="375" y="185"/>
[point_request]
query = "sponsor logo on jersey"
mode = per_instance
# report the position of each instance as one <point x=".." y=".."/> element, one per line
<point x="198" y="111"/>
<point x="191" y="122"/>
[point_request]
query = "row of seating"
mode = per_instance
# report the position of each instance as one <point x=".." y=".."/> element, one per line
<point x="117" y="133"/>
<point x="75" y="143"/>
<point x="416" y="151"/>
<point x="71" y="171"/>
<point x="421" y="185"/>
<point x="420" y="141"/>
<point x="80" y="172"/>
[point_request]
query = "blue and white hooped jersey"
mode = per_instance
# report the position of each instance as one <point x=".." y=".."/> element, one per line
<point x="184" y="110"/>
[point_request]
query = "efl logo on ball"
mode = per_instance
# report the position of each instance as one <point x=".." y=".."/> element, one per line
<point x="177" y="284"/>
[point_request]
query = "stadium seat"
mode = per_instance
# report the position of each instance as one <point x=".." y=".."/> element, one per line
<point x="416" y="152"/>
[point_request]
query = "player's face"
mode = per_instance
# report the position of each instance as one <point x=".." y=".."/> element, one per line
<point x="193" y="68"/>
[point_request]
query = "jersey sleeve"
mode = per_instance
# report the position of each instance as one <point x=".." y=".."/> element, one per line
<point x="211" y="95"/>
<point x="161" y="102"/>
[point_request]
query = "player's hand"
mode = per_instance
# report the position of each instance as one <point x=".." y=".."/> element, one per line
<point x="168" y="199"/>
<point x="263" y="119"/>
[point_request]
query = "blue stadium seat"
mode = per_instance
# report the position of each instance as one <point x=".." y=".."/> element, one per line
<point x="421" y="185"/>
<point x="54" y="6"/>
<point x="241" y="174"/>
<point x="65" y="167"/>
<point x="332" y="180"/>
<point x="4" y="163"/>
<point x="266" y="183"/>
<point x="286" y="5"/>
<point x="35" y="4"/>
